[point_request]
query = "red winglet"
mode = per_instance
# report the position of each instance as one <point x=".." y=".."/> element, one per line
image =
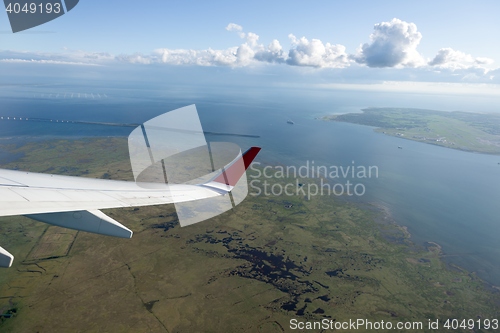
<point x="232" y="173"/>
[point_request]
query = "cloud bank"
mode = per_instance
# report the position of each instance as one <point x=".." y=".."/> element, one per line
<point x="52" y="62"/>
<point x="391" y="45"/>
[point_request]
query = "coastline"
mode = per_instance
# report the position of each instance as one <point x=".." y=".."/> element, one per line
<point x="426" y="126"/>
<point x="385" y="217"/>
<point x="381" y="131"/>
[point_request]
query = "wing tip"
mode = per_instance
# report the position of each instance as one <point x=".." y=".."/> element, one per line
<point x="231" y="174"/>
<point x="251" y="153"/>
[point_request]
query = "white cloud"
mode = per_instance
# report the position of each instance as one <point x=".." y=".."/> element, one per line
<point x="234" y="27"/>
<point x="135" y="59"/>
<point x="93" y="56"/>
<point x="244" y="54"/>
<point x="69" y="56"/>
<point x="273" y="53"/>
<point x="252" y="39"/>
<point x="46" y="61"/>
<point x="451" y="59"/>
<point x="316" y="54"/>
<point x="392" y="52"/>
<point x="391" y="44"/>
<point x="302" y="53"/>
<point x="483" y="61"/>
<point x="207" y="57"/>
<point x="248" y="53"/>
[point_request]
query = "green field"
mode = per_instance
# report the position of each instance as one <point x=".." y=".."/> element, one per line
<point x="475" y="132"/>
<point x="251" y="269"/>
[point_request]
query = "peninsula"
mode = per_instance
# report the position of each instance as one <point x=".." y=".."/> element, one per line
<point x="474" y="132"/>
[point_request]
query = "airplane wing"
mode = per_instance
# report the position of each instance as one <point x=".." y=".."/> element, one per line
<point x="75" y="202"/>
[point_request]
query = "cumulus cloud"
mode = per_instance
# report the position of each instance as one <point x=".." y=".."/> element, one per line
<point x="448" y="55"/>
<point x="452" y="59"/>
<point x="248" y="53"/>
<point x="273" y="53"/>
<point x="391" y="44"/>
<point x="316" y="54"/>
<point x="251" y="52"/>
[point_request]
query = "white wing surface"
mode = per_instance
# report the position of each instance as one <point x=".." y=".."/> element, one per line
<point x="75" y="202"/>
<point x="25" y="193"/>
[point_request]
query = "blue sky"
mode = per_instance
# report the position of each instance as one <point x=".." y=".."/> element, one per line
<point x="339" y="43"/>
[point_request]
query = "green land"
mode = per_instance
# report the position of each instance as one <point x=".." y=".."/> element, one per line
<point x="475" y="132"/>
<point x="251" y="269"/>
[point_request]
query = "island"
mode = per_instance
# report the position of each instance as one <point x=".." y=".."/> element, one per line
<point x="474" y="132"/>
